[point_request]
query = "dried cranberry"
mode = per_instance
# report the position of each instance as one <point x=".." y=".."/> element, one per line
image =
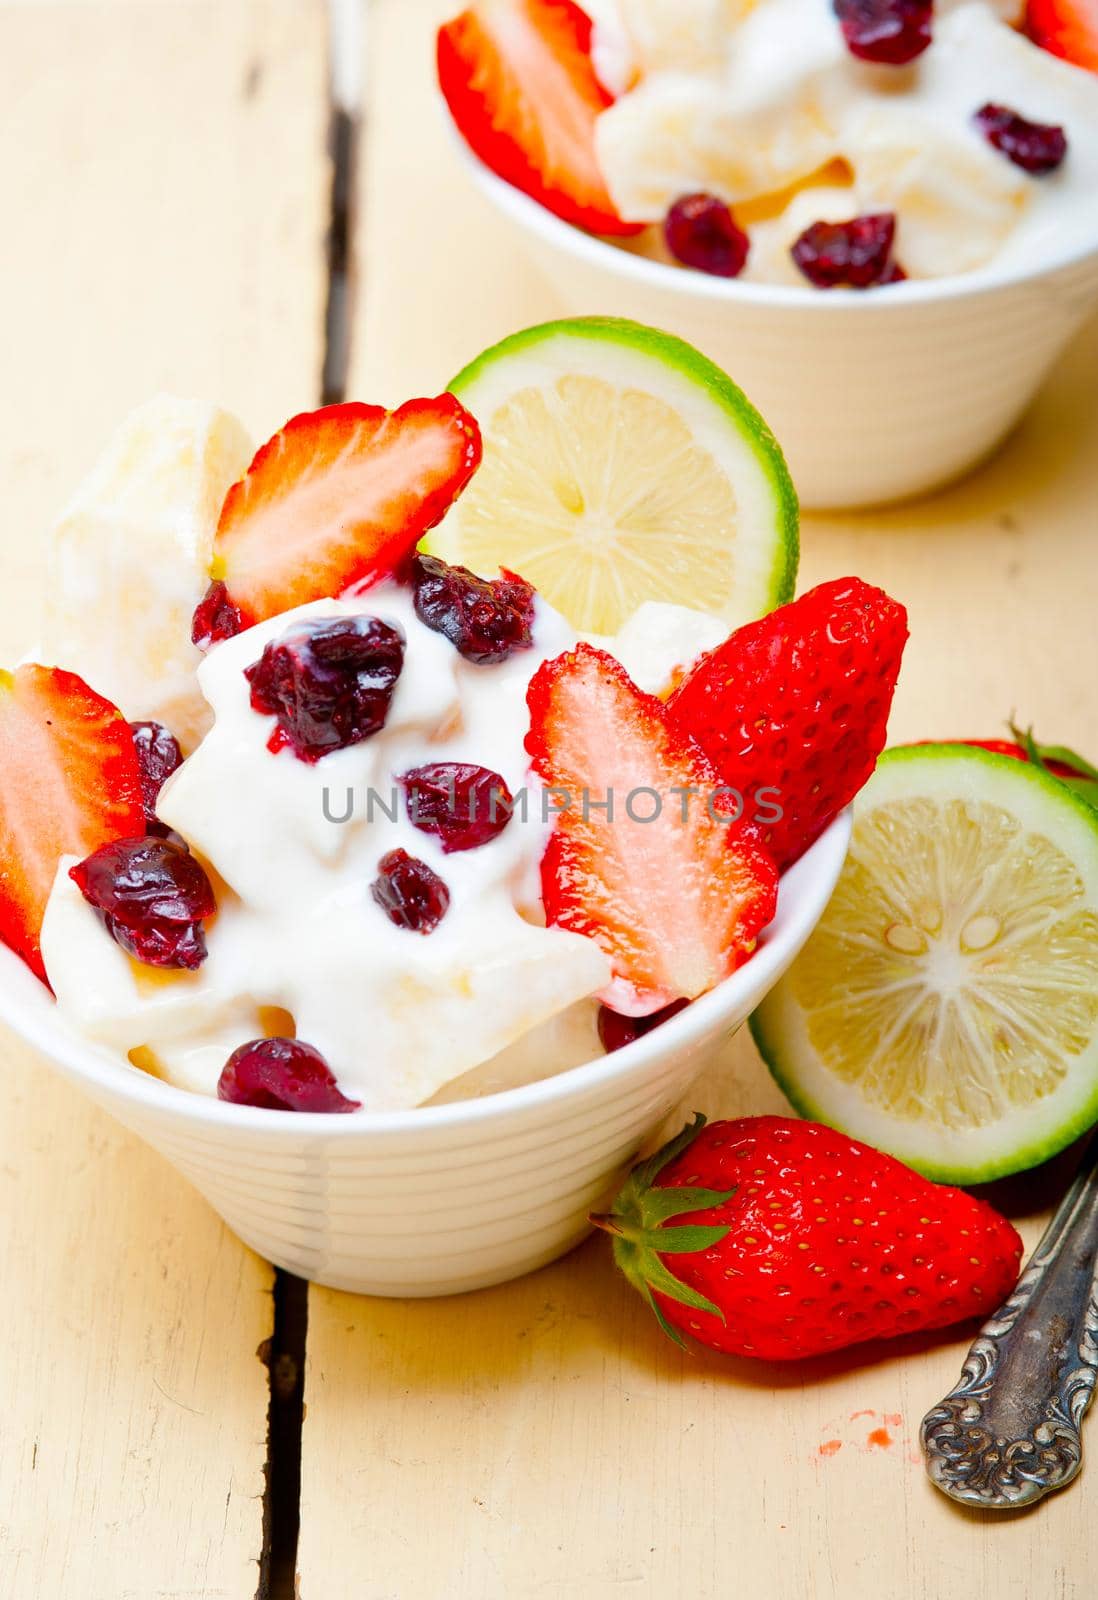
<point x="151" y="895"/>
<point x="1036" y="147"/>
<point x="856" y="253"/>
<point x="281" y="1075"/>
<point x="701" y="232"/>
<point x="485" y="620"/>
<point x="889" y="31"/>
<point x="616" y="1031"/>
<point x="215" y="618"/>
<point x="328" y="683"/>
<point x="158" y="755"/>
<point x="409" y="893"/>
<point x="462" y="805"/>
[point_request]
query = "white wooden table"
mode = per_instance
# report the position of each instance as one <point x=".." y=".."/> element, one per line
<point x="166" y="186"/>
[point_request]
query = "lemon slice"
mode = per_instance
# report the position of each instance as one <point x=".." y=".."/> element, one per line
<point x="622" y="466"/>
<point x="945" y="1008"/>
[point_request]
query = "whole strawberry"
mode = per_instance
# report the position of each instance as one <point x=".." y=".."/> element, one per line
<point x="1056" y="759"/>
<point x="779" y="1239"/>
<point x="796" y="705"/>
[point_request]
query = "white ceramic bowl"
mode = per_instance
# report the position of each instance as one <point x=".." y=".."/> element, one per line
<point x="872" y="396"/>
<point x="449" y="1197"/>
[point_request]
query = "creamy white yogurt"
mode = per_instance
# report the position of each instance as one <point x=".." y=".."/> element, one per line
<point x="773" y="114"/>
<point x="293" y="849"/>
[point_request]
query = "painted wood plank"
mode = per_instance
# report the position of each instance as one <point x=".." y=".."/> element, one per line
<point x="164" y="183"/>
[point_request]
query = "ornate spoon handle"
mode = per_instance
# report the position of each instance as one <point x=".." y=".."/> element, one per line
<point x="1009" y="1432"/>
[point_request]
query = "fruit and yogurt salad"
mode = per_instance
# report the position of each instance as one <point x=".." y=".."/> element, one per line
<point x="320" y="803"/>
<point x="837" y="143"/>
<point x="351" y="821"/>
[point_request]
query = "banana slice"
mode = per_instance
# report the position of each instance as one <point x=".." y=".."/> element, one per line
<point x="956" y="200"/>
<point x="761" y="121"/>
<point x="129" y="560"/>
<point x="118" y="1001"/>
<point x="770" y="259"/>
<point x="634" y="38"/>
<point x="675" y="135"/>
<point x="1009" y="11"/>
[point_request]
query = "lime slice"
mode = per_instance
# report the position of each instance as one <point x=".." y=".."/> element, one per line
<point x="621" y="466"/>
<point x="945" y="1009"/>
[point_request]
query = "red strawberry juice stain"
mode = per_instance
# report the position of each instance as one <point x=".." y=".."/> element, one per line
<point x="882" y="1435"/>
<point x="879" y="1438"/>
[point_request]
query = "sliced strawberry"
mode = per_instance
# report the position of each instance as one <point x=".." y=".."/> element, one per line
<point x="340" y="497"/>
<point x="69" y="782"/>
<point x="518" y="78"/>
<point x="793" y="709"/>
<point x="1066" y="28"/>
<point x="676" y="902"/>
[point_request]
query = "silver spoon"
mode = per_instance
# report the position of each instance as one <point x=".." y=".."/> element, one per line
<point x="1008" y="1433"/>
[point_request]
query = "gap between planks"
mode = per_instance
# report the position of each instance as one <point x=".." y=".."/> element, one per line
<point x="278" y="1578"/>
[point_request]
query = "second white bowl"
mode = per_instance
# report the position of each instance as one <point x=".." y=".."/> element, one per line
<point x="874" y="396"/>
<point x="447" y="1197"/>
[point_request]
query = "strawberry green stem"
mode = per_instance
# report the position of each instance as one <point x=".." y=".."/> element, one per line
<point x="1081" y="776"/>
<point x="641" y="1236"/>
<point x="604" y="1220"/>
